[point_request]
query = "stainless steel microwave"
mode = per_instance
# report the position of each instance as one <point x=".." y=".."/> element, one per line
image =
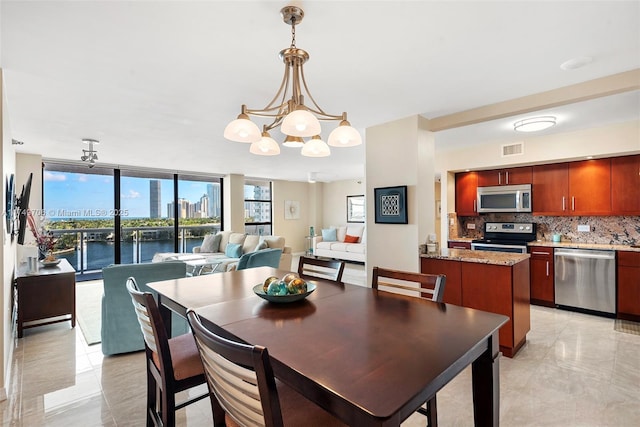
<point x="504" y="198"/>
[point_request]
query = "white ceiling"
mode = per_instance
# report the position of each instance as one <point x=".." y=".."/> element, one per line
<point x="156" y="82"/>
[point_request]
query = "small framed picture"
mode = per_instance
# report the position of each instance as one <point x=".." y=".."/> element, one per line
<point x="355" y="208"/>
<point x="391" y="205"/>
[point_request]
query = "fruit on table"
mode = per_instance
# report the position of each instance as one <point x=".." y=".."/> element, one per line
<point x="267" y="282"/>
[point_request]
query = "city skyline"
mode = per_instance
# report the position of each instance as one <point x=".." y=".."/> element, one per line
<point x="61" y="190"/>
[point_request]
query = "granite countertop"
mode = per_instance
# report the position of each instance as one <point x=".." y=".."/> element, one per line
<point x="601" y="246"/>
<point x="482" y="257"/>
<point x="460" y="239"/>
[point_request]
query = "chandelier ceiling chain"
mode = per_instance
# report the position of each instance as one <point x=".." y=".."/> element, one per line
<point x="288" y="110"/>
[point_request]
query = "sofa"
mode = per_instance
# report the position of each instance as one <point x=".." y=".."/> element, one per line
<point x="120" y="328"/>
<point x="215" y="248"/>
<point x="346" y="242"/>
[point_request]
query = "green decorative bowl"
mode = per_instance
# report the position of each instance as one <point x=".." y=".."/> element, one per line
<point x="257" y="289"/>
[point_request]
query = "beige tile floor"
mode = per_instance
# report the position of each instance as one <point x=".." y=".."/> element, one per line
<point x="575" y="370"/>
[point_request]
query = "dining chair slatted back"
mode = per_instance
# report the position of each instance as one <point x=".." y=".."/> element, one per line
<point x="311" y="268"/>
<point x="173" y="364"/>
<point x="427" y="286"/>
<point x="243" y="387"/>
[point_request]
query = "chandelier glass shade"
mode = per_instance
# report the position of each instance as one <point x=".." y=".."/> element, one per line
<point x="316" y="147"/>
<point x="287" y="110"/>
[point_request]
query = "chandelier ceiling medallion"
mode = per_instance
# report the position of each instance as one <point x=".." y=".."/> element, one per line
<point x="288" y="110"/>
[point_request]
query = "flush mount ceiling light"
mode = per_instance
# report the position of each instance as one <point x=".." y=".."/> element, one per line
<point x="288" y="110"/>
<point x="90" y="155"/>
<point x="534" y="124"/>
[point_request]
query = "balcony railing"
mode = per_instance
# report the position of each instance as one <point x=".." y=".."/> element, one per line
<point x="89" y="250"/>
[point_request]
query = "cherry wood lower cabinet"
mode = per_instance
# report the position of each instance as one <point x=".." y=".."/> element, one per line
<point x="494" y="288"/>
<point x="451" y="269"/>
<point x="542" y="289"/>
<point x="458" y="245"/>
<point x="628" y="286"/>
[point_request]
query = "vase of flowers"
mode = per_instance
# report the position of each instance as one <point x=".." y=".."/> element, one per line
<point x="44" y="239"/>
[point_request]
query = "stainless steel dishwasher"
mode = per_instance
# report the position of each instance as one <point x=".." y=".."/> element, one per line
<point x="585" y="279"/>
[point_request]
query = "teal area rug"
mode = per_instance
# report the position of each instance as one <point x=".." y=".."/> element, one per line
<point x="89" y="310"/>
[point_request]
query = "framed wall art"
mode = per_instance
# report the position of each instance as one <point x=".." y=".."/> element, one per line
<point x="391" y="205"/>
<point x="291" y="209"/>
<point x="355" y="208"/>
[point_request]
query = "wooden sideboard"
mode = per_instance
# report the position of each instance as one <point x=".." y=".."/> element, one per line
<point x="45" y="296"/>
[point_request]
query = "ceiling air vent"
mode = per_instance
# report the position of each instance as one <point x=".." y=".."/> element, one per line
<point x="516" y="149"/>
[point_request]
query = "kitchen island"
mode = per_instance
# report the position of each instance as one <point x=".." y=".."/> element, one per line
<point x="497" y="282"/>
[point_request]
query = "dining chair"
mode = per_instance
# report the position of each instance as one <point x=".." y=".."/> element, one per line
<point x="243" y="387"/>
<point x="173" y="364"/>
<point x="310" y="268"/>
<point x="261" y="258"/>
<point x="428" y="286"/>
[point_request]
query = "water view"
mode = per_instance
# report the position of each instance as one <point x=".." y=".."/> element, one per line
<point x="99" y="254"/>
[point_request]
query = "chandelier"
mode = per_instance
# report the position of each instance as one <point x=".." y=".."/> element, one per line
<point x="90" y="155"/>
<point x="288" y="110"/>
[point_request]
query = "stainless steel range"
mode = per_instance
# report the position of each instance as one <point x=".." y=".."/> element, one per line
<point x="506" y="237"/>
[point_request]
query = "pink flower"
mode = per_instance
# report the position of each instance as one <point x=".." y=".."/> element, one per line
<point x="44" y="239"/>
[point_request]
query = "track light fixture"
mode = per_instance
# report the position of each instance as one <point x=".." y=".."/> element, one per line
<point x="90" y="155"/>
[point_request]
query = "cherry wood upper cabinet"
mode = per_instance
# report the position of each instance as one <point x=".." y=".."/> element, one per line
<point x="625" y="185"/>
<point x="509" y="176"/>
<point x="551" y="189"/>
<point x="466" y="193"/>
<point x="590" y="187"/>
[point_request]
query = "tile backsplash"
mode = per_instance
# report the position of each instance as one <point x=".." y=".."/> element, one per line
<point x="611" y="230"/>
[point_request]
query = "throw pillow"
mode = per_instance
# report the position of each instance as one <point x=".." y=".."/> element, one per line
<point x="211" y="243"/>
<point x="262" y="245"/>
<point x="233" y="250"/>
<point x="329" y="234"/>
<point x="351" y="239"/>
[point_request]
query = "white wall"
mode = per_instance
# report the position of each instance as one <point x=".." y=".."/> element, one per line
<point x="233" y="195"/>
<point x="8" y="249"/>
<point x="293" y="230"/>
<point x="334" y="202"/>
<point x="400" y="153"/>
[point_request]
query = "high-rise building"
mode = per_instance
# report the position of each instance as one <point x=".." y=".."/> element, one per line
<point x="155" y="205"/>
<point x="213" y="192"/>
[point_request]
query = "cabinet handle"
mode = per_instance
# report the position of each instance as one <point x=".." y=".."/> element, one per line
<point x="539" y="253"/>
<point x="474" y="206"/>
<point x="547" y="268"/>
<point x="499" y="178"/>
<point x="459" y="247"/>
<point x="563" y="206"/>
<point x="507" y="177"/>
<point x="573" y="203"/>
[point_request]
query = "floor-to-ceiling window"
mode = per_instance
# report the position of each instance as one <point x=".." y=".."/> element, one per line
<point x="199" y="209"/>
<point x="257" y="207"/>
<point x="146" y="227"/>
<point x="79" y="208"/>
<point x="103" y="216"/>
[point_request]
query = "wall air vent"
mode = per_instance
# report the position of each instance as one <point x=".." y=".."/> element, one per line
<point x="516" y="149"/>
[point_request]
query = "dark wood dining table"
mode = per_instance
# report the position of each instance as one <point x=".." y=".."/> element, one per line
<point x="369" y="357"/>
